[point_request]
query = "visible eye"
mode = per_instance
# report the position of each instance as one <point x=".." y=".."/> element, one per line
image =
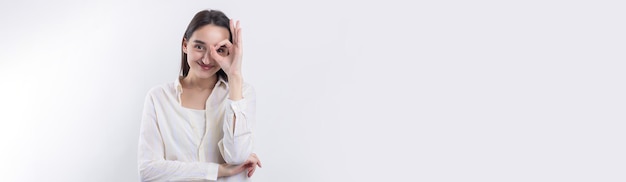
<point x="222" y="50"/>
<point x="199" y="47"/>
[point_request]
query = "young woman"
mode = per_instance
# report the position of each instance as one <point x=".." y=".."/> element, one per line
<point x="199" y="127"/>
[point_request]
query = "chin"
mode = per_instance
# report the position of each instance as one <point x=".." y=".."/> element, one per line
<point x="206" y="74"/>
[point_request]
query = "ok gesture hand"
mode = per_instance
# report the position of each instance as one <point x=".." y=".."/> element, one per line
<point x="229" y="61"/>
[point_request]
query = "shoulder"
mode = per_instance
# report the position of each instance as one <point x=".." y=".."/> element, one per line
<point x="162" y="90"/>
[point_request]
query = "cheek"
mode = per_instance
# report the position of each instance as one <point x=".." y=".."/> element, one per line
<point x="194" y="56"/>
<point x="191" y="59"/>
<point x="191" y="62"/>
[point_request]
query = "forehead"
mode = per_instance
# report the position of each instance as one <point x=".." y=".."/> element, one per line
<point x="211" y="34"/>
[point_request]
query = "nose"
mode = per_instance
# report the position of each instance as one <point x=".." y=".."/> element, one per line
<point x="205" y="57"/>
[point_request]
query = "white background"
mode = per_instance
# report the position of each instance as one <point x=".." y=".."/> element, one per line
<point x="347" y="90"/>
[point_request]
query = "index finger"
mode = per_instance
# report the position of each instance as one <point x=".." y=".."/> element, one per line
<point x="224" y="42"/>
<point x="233" y="33"/>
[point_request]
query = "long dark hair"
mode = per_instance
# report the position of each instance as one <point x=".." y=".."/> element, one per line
<point x="203" y="18"/>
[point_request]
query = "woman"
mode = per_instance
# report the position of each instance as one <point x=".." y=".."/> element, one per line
<point x="199" y="127"/>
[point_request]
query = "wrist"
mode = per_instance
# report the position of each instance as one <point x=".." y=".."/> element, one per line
<point x="222" y="171"/>
<point x="235" y="81"/>
<point x="234" y="76"/>
<point x="233" y="73"/>
<point x="235" y="85"/>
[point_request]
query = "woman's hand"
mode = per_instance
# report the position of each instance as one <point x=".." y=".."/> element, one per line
<point x="249" y="165"/>
<point x="230" y="63"/>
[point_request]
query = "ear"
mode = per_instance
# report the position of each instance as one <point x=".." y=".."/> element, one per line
<point x="185" y="45"/>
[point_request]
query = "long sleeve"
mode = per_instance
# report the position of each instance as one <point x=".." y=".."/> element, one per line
<point x="151" y="154"/>
<point x="240" y="117"/>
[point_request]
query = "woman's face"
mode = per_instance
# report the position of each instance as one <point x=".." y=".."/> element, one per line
<point x="201" y="64"/>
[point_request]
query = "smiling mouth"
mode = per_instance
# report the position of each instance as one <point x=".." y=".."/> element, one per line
<point x="205" y="66"/>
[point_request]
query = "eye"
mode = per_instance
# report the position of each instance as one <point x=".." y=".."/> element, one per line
<point x="222" y="50"/>
<point x="199" y="47"/>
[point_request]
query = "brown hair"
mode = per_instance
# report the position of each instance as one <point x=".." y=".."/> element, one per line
<point x="203" y="18"/>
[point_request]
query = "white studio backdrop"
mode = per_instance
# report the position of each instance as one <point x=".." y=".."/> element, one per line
<point x="347" y="90"/>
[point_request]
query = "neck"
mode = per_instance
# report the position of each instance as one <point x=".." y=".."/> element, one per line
<point x="193" y="82"/>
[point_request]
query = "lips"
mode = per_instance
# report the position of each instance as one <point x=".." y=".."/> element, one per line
<point x="204" y="66"/>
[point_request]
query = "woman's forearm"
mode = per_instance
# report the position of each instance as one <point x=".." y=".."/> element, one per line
<point x="235" y="84"/>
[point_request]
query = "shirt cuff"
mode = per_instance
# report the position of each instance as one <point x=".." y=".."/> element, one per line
<point x="212" y="171"/>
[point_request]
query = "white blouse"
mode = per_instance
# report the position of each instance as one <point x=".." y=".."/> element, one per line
<point x="170" y="148"/>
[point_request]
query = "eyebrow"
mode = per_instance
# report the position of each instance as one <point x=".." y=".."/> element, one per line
<point x="199" y="42"/>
